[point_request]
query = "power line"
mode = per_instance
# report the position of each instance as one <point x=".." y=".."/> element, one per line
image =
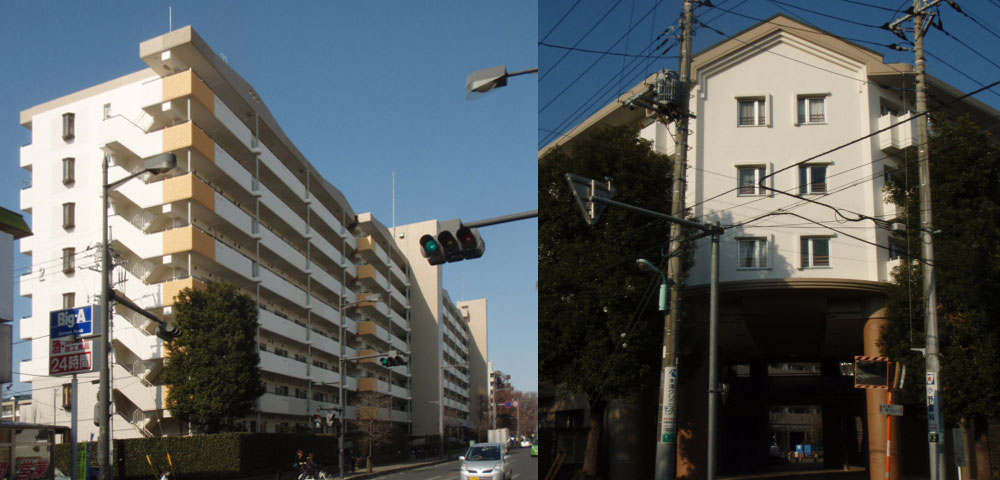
<point x="554" y="27"/>
<point x="618" y="54"/>
<point x="847" y="20"/>
<point x="592" y="27"/>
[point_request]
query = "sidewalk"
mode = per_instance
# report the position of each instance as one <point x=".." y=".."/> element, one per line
<point x="377" y="470"/>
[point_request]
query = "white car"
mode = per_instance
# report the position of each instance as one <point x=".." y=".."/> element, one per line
<point x="525" y="443"/>
<point x="485" y="461"/>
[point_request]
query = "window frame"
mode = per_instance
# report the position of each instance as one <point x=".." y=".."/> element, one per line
<point x="806" y="100"/>
<point x="69" y="215"/>
<point x="807" y="251"/>
<point x="762" y="116"/>
<point x="68" y="170"/>
<point x="69" y="264"/>
<point x="69" y="126"/>
<point x="762" y="253"/>
<point x="898" y="247"/>
<point x="68" y="300"/>
<point x="806" y="182"/>
<point x="760" y="171"/>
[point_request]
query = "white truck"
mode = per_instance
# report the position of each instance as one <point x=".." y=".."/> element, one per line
<point x="501" y="436"/>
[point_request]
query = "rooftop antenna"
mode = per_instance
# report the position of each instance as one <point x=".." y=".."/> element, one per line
<point x="170" y="9"/>
<point x="393" y="202"/>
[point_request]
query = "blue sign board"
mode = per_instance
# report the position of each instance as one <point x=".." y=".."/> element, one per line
<point x="78" y="321"/>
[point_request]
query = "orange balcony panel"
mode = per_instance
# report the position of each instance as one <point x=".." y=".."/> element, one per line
<point x="366" y="271"/>
<point x="366" y="328"/>
<point x="368" y="384"/>
<point x="188" y="239"/>
<point x="366" y="244"/>
<point x="368" y="413"/>
<point x="187" y="135"/>
<point x="187" y="83"/>
<point x="173" y="287"/>
<point x="368" y="352"/>
<point x="187" y="187"/>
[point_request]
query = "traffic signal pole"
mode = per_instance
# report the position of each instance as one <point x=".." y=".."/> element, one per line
<point x="714" y="231"/>
<point x="666" y="444"/>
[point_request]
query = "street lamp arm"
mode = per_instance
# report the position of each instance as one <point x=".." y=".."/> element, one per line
<point x="522" y="72"/>
<point x="117" y="183"/>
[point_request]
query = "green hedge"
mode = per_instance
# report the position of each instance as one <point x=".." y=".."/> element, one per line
<point x="218" y="456"/>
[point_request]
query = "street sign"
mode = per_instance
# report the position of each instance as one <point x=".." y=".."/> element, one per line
<point x="506" y="404"/>
<point x="894" y="410"/>
<point x="958" y="444"/>
<point x="584" y="189"/>
<point x="74" y="322"/>
<point x="933" y="418"/>
<point x="668" y="421"/>
<point x="71" y="356"/>
<point x="515" y="404"/>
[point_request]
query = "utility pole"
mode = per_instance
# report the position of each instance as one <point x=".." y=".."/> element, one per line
<point x="666" y="446"/>
<point x="935" y="432"/>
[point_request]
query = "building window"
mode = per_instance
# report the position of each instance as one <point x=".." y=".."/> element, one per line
<point x="67" y="396"/>
<point x="69" y="215"/>
<point x="319" y="396"/>
<point x="281" y="390"/>
<point x="812" y="179"/>
<point x="69" y="170"/>
<point x="815" y="252"/>
<point x="68" y="126"/>
<point x="897" y="249"/>
<point x="749" y="179"/>
<point x="69" y="300"/>
<point x="68" y="263"/>
<point x="107" y="111"/>
<point x="752" y="253"/>
<point x="752" y="112"/>
<point x="888" y="173"/>
<point x="812" y="110"/>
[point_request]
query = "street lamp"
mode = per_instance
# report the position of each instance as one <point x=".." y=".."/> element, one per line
<point x="484" y="81"/>
<point x="648" y="266"/>
<point x="156" y="165"/>
<point x="374" y="297"/>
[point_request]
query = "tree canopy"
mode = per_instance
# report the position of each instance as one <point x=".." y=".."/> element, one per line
<point x="212" y="369"/>
<point x="965" y="185"/>
<point x="595" y="336"/>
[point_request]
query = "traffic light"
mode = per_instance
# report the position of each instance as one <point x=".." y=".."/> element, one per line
<point x="454" y="242"/>
<point x="471" y="243"/>
<point x="167" y="332"/>
<point x="317" y="421"/>
<point x="392" y="359"/>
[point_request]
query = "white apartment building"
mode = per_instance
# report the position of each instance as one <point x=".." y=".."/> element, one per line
<point x="243" y="205"/>
<point x="447" y="337"/>
<point x="803" y="284"/>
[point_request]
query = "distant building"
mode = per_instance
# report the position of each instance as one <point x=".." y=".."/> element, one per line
<point x="12" y="227"/>
<point x="244" y="205"/>
<point x="446" y="337"/>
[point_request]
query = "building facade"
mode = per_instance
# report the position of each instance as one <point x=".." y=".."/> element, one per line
<point x="795" y="132"/>
<point x="448" y="338"/>
<point x="243" y="206"/>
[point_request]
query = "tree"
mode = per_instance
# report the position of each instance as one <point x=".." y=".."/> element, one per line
<point x="212" y="368"/>
<point x="965" y="181"/>
<point x="373" y="421"/>
<point x="594" y="337"/>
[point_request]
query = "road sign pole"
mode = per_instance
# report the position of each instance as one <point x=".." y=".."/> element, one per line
<point x="74" y="429"/>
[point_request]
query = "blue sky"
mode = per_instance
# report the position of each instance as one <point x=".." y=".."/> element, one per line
<point x="574" y="87"/>
<point x="364" y="89"/>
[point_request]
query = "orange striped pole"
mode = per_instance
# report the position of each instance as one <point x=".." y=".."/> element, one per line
<point x="888" y="442"/>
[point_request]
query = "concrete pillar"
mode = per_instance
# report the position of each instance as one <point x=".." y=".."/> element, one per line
<point x="877" y="421"/>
